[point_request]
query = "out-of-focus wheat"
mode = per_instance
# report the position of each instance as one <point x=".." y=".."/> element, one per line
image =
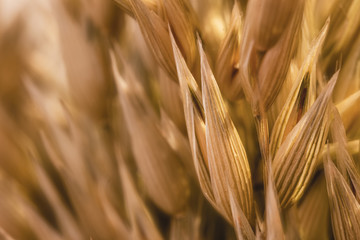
<point x="179" y="119"/>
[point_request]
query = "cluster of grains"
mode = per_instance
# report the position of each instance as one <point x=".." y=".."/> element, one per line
<point x="179" y="119"/>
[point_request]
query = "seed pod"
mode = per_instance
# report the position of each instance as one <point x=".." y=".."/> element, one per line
<point x="86" y="62"/>
<point x="269" y="19"/>
<point x="182" y="20"/>
<point x="228" y="57"/>
<point x="344" y="160"/>
<point x="228" y="163"/>
<point x="194" y="113"/>
<point x="300" y="98"/>
<point x="344" y="207"/>
<point x="343" y="32"/>
<point x="178" y="142"/>
<point x="171" y="100"/>
<point x="295" y="161"/>
<point x="275" y="64"/>
<point x="164" y="176"/>
<point x="156" y="35"/>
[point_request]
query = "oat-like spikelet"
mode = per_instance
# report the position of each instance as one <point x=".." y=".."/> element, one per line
<point x="227" y="160"/>
<point x="167" y="184"/>
<point x="179" y="119"/>
<point x="344" y="160"/>
<point x="228" y="56"/>
<point x="300" y="97"/>
<point x="345" y="207"/>
<point x="170" y="98"/>
<point x="182" y="20"/>
<point x="271" y="76"/>
<point x="274" y="17"/>
<point x="213" y="174"/>
<point x="83" y="48"/>
<point x="194" y="116"/>
<point x="156" y="35"/>
<point x="294" y="162"/>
